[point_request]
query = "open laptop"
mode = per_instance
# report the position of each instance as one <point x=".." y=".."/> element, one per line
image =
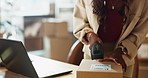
<point x="15" y="58"/>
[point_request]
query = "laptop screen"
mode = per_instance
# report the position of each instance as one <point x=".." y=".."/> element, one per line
<point x="15" y="58"/>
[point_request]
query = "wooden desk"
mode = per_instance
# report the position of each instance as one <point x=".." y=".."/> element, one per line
<point x="53" y="62"/>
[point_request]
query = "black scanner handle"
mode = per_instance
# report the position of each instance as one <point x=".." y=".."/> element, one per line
<point x="97" y="51"/>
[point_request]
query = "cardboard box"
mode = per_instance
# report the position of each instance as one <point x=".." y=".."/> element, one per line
<point x="33" y="28"/>
<point x="58" y="48"/>
<point x="143" y="68"/>
<point x="145" y="41"/>
<point x="34" y="43"/>
<point x="95" y="69"/>
<point x="55" y="28"/>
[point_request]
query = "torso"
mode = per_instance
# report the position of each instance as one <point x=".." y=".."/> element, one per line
<point x="111" y="30"/>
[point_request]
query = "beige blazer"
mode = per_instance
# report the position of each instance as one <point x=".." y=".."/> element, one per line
<point x="134" y="30"/>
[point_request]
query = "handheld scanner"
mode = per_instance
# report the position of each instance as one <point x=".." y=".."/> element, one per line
<point x="97" y="51"/>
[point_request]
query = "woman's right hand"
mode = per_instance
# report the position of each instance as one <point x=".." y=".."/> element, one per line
<point x="93" y="38"/>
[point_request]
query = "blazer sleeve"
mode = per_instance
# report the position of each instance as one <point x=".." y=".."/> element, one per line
<point x="134" y="40"/>
<point x="80" y="22"/>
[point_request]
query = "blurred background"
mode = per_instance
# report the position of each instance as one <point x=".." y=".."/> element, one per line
<point x="45" y="28"/>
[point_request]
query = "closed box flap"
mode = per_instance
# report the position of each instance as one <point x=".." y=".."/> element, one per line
<point x="94" y="69"/>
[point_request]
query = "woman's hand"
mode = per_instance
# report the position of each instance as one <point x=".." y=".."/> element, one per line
<point x="117" y="55"/>
<point x="92" y="38"/>
<point x="107" y="59"/>
<point x="117" y="58"/>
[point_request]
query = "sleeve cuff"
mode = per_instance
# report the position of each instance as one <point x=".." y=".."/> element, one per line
<point x="131" y="50"/>
<point x="128" y="62"/>
<point x="83" y="33"/>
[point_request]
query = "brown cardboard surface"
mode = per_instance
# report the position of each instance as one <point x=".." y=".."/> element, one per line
<point x="143" y="71"/>
<point x="146" y="40"/>
<point x="33" y="30"/>
<point x="55" y="28"/>
<point x="34" y="43"/>
<point x="59" y="47"/>
<point x="49" y="29"/>
<point x="85" y="71"/>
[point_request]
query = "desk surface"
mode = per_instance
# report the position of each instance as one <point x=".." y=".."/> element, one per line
<point x="54" y="62"/>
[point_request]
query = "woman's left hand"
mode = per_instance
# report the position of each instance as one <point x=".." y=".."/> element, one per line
<point x="117" y="58"/>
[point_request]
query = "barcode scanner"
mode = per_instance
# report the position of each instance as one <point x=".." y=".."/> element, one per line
<point x="97" y="51"/>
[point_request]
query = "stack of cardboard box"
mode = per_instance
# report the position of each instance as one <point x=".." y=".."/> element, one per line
<point x="143" y="58"/>
<point x="57" y="39"/>
<point x="33" y="34"/>
<point x="34" y="43"/>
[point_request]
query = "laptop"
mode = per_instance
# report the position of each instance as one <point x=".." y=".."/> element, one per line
<point x="16" y="59"/>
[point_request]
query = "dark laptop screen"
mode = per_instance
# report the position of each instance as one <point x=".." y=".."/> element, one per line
<point x="14" y="56"/>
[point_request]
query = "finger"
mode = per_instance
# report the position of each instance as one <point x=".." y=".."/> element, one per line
<point x="99" y="41"/>
<point x="100" y="60"/>
<point x="123" y="65"/>
<point x="115" y="61"/>
<point x="107" y="59"/>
